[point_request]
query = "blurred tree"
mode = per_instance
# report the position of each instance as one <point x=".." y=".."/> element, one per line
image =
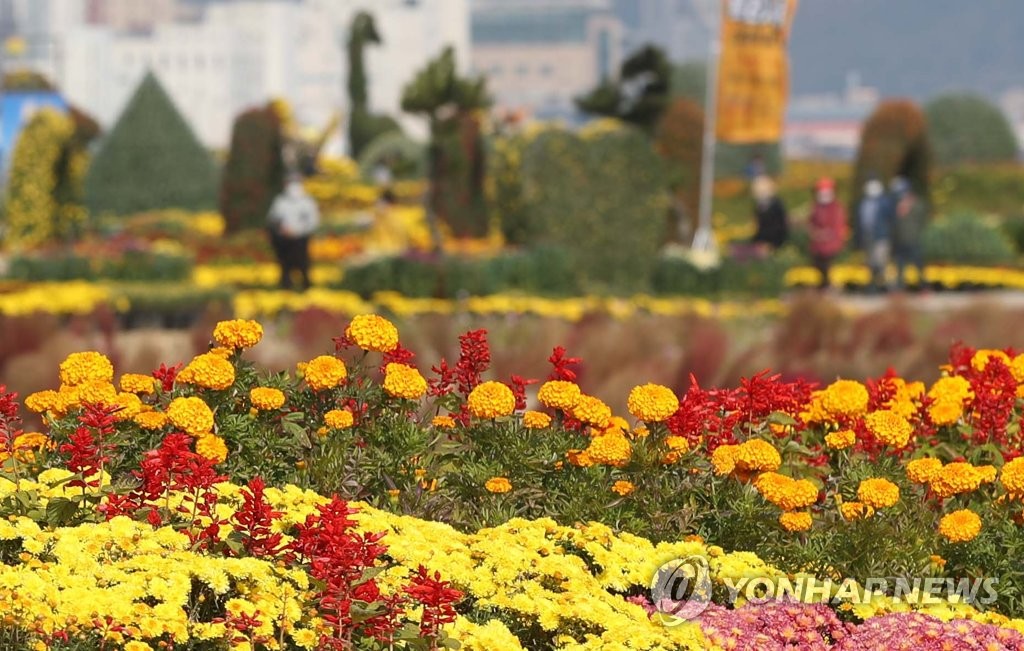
<point x="638" y="96"/>
<point x="151" y="160"/>
<point x="254" y="172"/>
<point x="364" y="126"/>
<point x="893" y="142"/>
<point x="968" y="129"/>
<point x="452" y="105"/>
<point x="679" y="140"/>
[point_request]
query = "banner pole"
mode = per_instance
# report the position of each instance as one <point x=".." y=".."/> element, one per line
<point x="704" y="238"/>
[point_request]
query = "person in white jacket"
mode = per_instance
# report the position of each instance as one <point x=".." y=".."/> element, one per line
<point x="293" y="218"/>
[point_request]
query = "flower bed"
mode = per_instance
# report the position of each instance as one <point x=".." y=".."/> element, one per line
<point x="539" y="517"/>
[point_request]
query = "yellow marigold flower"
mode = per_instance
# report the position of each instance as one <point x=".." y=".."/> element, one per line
<point x="987" y="473"/>
<point x="795" y="520"/>
<point x="619" y="423"/>
<point x="937" y="560"/>
<point x="220" y="351"/>
<point x="238" y="333"/>
<point x="723" y="459"/>
<point x="536" y="420"/>
<point x="640" y="432"/>
<point x="889" y="427"/>
<point x="1017" y="368"/>
<point x="491" y="400"/>
<point x="373" y="332"/>
<point x="266" y="398"/>
<point x="90" y="366"/>
<point x="97" y="392"/>
<point x="339" y="419"/>
<point x="985" y="355"/>
<point x="955" y="479"/>
<point x="951" y="388"/>
<point x="151" y="420"/>
<point x="498" y="485"/>
<point x="41" y="401"/>
<point x="191" y="415"/>
<point x="559" y="394"/>
<point x="677" y="447"/>
<point x="855" y="511"/>
<point x="209" y="371"/>
<point x="443" y="422"/>
<point x="945" y="412"/>
<point x="610" y="449"/>
<point x="845" y="398"/>
<point x="580" y="458"/>
<point x="814" y="411"/>
<point x="212" y="447"/>
<point x="67" y="399"/>
<point x="840" y="440"/>
<point x="1012" y="477"/>
<point x="325" y="372"/>
<point x="652" y="403"/>
<point x="404" y="381"/>
<point x="785" y="492"/>
<point x="137" y="383"/>
<point x="921" y="471"/>
<point x="592" y="411"/>
<point x="130" y="404"/>
<point x="960" y="526"/>
<point x="878" y="493"/>
<point x="623" y="488"/>
<point x="757" y="455"/>
<point x="25" y="446"/>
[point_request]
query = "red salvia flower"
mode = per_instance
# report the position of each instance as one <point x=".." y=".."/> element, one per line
<point x="445" y="380"/>
<point x="166" y="375"/>
<point x="565" y="368"/>
<point x="438" y="599"/>
<point x="474" y="359"/>
<point x="518" y="385"/>
<point x="254" y="519"/>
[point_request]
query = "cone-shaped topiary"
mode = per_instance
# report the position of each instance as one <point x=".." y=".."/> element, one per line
<point x="151" y="160"/>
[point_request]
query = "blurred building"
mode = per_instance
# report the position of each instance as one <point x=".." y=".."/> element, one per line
<point x="132" y="15"/>
<point x="1012" y="104"/>
<point x="681" y="28"/>
<point x="828" y="126"/>
<point x="538" y="55"/>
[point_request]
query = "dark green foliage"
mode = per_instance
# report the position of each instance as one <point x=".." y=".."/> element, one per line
<point x="129" y="266"/>
<point x="639" y="95"/>
<point x="151" y="160"/>
<point x="967" y="239"/>
<point x="254" y="172"/>
<point x="363" y="127"/>
<point x="894" y="142"/>
<point x="405" y="157"/>
<point x="675" y="276"/>
<point x="969" y="129"/>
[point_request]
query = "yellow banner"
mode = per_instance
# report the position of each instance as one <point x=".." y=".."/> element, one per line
<point x="753" y="72"/>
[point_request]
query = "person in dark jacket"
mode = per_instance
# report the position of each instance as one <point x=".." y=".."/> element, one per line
<point x="874" y="219"/>
<point x="828" y="228"/>
<point x="907" y="214"/>
<point x="772" y="220"/>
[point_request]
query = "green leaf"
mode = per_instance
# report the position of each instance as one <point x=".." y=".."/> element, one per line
<point x="781" y="418"/>
<point x="60" y="511"/>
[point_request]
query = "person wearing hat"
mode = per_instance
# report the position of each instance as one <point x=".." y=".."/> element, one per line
<point x="828" y="228"/>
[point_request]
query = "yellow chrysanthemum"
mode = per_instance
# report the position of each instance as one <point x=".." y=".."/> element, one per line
<point x="191" y="415"/>
<point x="559" y="394"/>
<point x="921" y="471"/>
<point x="785" y="492"/>
<point x="151" y="420"/>
<point x="498" y="485"/>
<point x="1012" y="477"/>
<point x="723" y="459"/>
<point x="889" y="427"/>
<point x="757" y="455"/>
<point x="955" y="479"/>
<point x="212" y="447"/>
<point x="951" y="389"/>
<point x="592" y="411"/>
<point x="89" y="366"/>
<point x="404" y="381"/>
<point x="795" y="521"/>
<point x="339" y="419"/>
<point x="97" y="392"/>
<point x="652" y="403"/>
<point x="855" y="511"/>
<point x="536" y="420"/>
<point x="238" y="333"/>
<point x="610" y="449"/>
<point x="41" y="401"/>
<point x="960" y="526"/>
<point x="209" y="371"/>
<point x="266" y="398"/>
<point x="845" y="398"/>
<point x="491" y="400"/>
<point x="137" y="383"/>
<point x="372" y="332"/>
<point x="623" y="487"/>
<point x="878" y="493"/>
<point x="945" y="412"/>
<point x="324" y="372"/>
<point x="129" y="404"/>
<point x="443" y="422"/>
<point x="840" y="440"/>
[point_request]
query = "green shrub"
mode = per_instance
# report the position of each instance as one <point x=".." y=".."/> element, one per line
<point x="675" y="275"/>
<point x="137" y="266"/>
<point x="254" y="172"/>
<point x="967" y="239"/>
<point x="893" y="142"/>
<point x="405" y="157"/>
<point x="967" y="128"/>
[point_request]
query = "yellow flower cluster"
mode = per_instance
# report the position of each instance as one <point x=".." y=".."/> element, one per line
<point x="324" y="372"/>
<point x="855" y="510"/>
<point x="404" y="381"/>
<point x="785" y="492"/>
<point x="25" y="445"/>
<point x="536" y="420"/>
<point x="958" y="478"/>
<point x="921" y="471"/>
<point x="238" y="333"/>
<point x="845" y="398"/>
<point x="677" y="447"/>
<point x="212" y="447"/>
<point x="372" y="332"/>
<point x="592" y="411"/>
<point x="611" y="449"/>
<point x="491" y="400"/>
<point x="339" y="419"/>
<point x="498" y="485"/>
<point x="191" y="415"/>
<point x="209" y="371"/>
<point x="878" y="493"/>
<point x="90" y="366"/>
<point x="948" y="395"/>
<point x="960" y="526"/>
<point x="1012" y="477"/>
<point x="266" y="398"/>
<point x="889" y="427"/>
<point x="559" y="394"/>
<point x="443" y="422"/>
<point x="151" y="420"/>
<point x="136" y="383"/>
<point x="757" y="455"/>
<point x="652" y="403"/>
<point x="795" y="520"/>
<point x="623" y="488"/>
<point x="840" y="440"/>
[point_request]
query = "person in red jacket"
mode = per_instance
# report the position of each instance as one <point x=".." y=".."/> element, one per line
<point x="828" y="228"/>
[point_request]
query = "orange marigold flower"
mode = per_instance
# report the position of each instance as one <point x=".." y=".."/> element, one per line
<point x="498" y="485"/>
<point x="325" y="372"/>
<point x="855" y="511"/>
<point x="580" y="458"/>
<point x="130" y="404"/>
<point x="795" y="520"/>
<point x="889" y="427"/>
<point x="536" y="420"/>
<point x="209" y="371"/>
<point x="723" y="459"/>
<point x="652" y="403"/>
<point x="1012" y="477"/>
<point x="41" y="401"/>
<point x="840" y="440"/>
<point x="404" y="381"/>
<point x="89" y="366"/>
<point x="212" y="447"/>
<point x="610" y="449"/>
<point x="956" y="478"/>
<point x="757" y="455"/>
<point x="151" y="420"/>
<point x="97" y="392"/>
<point x="191" y="415"/>
<point x="443" y="422"/>
<point x="266" y="398"/>
<point x="677" y="447"/>
<point x="373" y="332"/>
<point x="921" y="471"/>
<point x="491" y="400"/>
<point x="945" y="412"/>
<point x="960" y="526"/>
<point x="845" y="398"/>
<point x="339" y="419"/>
<point x="785" y="492"/>
<point x="878" y="493"/>
<point x="137" y="383"/>
<point x="623" y="487"/>
<point x="238" y="333"/>
<point x="982" y="358"/>
<point x="559" y="394"/>
<point x="952" y="388"/>
<point x="592" y="411"/>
